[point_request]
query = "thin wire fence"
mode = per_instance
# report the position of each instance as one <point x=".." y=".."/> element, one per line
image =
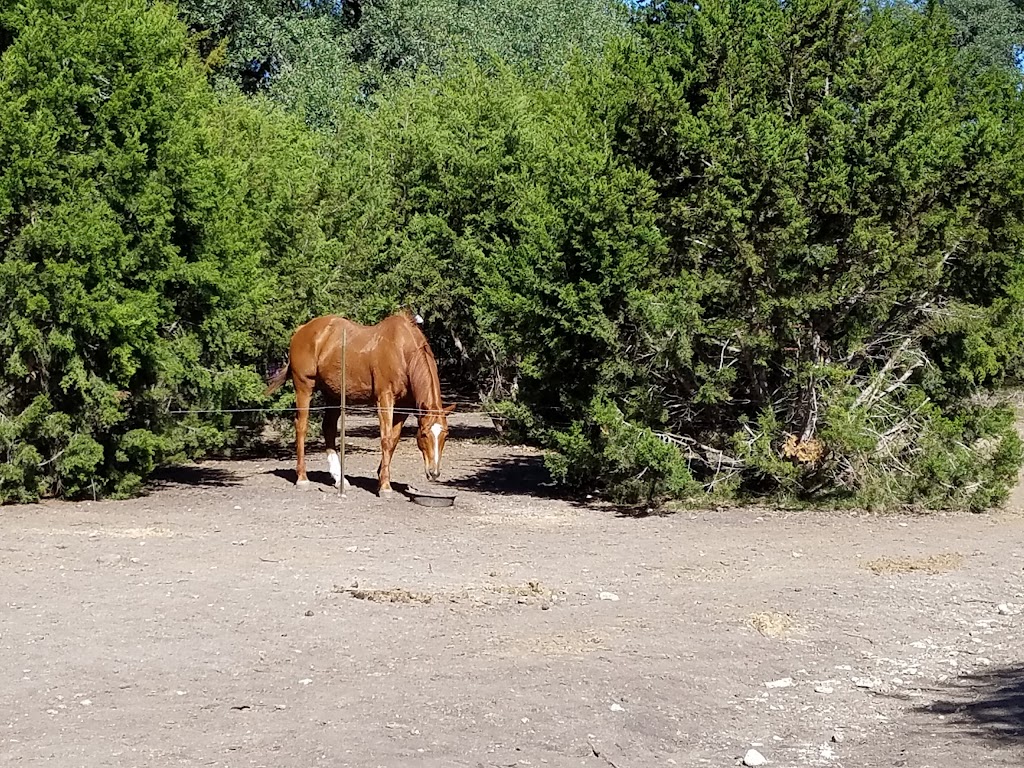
<point x="367" y="409"/>
<point x="370" y="410"/>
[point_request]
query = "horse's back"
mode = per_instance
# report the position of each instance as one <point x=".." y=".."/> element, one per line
<point x="375" y="356"/>
<point x="309" y="338"/>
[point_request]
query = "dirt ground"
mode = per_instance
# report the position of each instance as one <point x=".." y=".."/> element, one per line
<point x="232" y="619"/>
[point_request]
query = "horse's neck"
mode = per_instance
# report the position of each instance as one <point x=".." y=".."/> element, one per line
<point x="423" y="381"/>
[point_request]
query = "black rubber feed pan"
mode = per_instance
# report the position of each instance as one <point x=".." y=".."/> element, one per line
<point x="432" y="498"/>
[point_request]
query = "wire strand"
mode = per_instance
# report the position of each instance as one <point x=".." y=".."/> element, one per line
<point x="348" y="408"/>
<point x="365" y="410"/>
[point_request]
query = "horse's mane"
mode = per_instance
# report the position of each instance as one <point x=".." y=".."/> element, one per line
<point x="422" y="366"/>
<point x="413" y="317"/>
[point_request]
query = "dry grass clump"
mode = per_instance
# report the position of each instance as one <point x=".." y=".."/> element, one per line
<point x="942" y="563"/>
<point x="394" y="595"/>
<point x="771" y="623"/>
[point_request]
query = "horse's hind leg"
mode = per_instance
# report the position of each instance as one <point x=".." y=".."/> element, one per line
<point x="303" y="396"/>
<point x="330" y="437"/>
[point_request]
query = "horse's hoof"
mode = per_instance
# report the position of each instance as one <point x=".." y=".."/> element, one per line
<point x="302" y="483"/>
<point x="348" y="485"/>
<point x="385" y="493"/>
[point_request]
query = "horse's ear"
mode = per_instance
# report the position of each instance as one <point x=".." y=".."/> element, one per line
<point x="449" y="409"/>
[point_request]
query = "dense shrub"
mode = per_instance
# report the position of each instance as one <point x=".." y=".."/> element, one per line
<point x="843" y="209"/>
<point x="136" y="230"/>
<point x="744" y="247"/>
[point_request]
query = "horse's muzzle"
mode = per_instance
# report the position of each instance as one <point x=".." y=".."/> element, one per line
<point x="433" y="474"/>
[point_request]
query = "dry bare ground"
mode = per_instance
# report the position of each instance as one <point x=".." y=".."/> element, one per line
<point x="231" y="619"/>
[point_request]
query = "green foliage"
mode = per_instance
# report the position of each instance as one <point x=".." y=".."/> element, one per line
<point x="630" y="461"/>
<point x="965" y="461"/>
<point x="501" y="210"/>
<point x="406" y="35"/>
<point x="136" y="226"/>
<point x="746" y="246"/>
<point x="990" y="32"/>
<point x="320" y="57"/>
<point x="843" y="225"/>
<point x="248" y="42"/>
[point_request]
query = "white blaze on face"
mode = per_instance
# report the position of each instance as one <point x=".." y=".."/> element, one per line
<point x="435" y="430"/>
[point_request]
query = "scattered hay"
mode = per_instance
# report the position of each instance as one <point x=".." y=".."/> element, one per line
<point x="943" y="563"/>
<point x="529" y="589"/>
<point x="113" y="533"/>
<point x="803" y="451"/>
<point x="771" y="623"/>
<point x="395" y="595"/>
<point x="570" y="644"/>
<point x="533" y="592"/>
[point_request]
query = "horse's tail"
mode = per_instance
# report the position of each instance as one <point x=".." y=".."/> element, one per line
<point x="278" y="379"/>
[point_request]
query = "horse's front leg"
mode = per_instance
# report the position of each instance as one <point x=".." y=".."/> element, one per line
<point x="389" y="436"/>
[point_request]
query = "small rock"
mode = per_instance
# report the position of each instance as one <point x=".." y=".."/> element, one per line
<point x="351" y="549"/>
<point x="616" y="708"/>
<point x="305" y="681"/>
<point x="785" y="682"/>
<point x="837" y="737"/>
<point x="279" y="706"/>
<point x="85" y="702"/>
<point x="823" y="689"/>
<point x="753" y="757"/>
<point x="1005" y="609"/>
<point x="866" y="682"/>
<point x="309" y="613"/>
<point x="237" y="507"/>
<point x="51" y="711"/>
<point x="609" y="596"/>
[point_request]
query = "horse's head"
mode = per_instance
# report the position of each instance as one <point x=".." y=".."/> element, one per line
<point x="430" y="436"/>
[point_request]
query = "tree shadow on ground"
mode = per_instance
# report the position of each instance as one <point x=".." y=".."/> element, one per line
<point x="528" y="476"/>
<point x="988" y="705"/>
<point x="516" y="475"/>
<point x="192" y="474"/>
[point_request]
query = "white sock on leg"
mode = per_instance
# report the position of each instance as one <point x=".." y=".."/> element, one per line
<point x="334" y="465"/>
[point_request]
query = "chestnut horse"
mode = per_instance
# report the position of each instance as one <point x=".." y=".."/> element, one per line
<point x="389" y="365"/>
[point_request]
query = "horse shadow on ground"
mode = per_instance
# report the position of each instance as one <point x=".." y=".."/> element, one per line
<point x="323" y="481"/>
<point x="988" y="705"/>
<point x="518" y="476"/>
